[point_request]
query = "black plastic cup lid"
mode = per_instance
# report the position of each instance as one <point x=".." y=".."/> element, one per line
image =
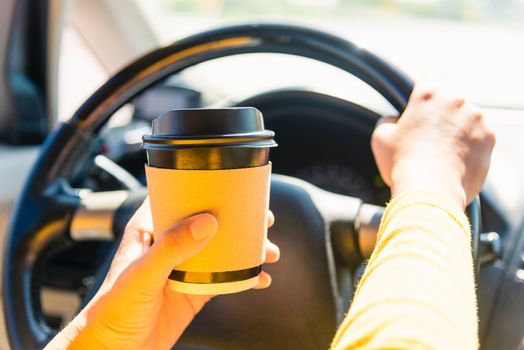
<point x="185" y="128"/>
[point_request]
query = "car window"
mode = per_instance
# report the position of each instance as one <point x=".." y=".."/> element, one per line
<point x="79" y="73"/>
<point x="474" y="46"/>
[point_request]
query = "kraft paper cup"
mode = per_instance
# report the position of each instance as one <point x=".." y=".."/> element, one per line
<point x="215" y="161"/>
<point x="239" y="199"/>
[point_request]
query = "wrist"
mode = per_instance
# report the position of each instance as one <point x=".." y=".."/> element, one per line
<point x="441" y="182"/>
<point x="454" y="196"/>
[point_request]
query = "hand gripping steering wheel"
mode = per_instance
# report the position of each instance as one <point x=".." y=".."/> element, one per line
<point x="320" y="233"/>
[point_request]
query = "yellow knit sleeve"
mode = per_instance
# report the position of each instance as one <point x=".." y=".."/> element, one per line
<point x="418" y="290"/>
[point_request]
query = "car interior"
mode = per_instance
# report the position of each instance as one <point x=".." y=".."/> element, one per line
<point x="83" y="80"/>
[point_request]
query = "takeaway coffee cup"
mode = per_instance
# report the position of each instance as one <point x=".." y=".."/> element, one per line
<point x="216" y="161"/>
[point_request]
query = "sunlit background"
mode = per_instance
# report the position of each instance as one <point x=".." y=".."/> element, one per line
<point x="473" y="46"/>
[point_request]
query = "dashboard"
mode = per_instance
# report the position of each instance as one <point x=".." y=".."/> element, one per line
<point x="323" y="140"/>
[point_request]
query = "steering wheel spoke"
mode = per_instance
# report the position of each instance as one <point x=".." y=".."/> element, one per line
<point x="93" y="219"/>
<point x="102" y="215"/>
<point x="85" y="215"/>
<point x="121" y="175"/>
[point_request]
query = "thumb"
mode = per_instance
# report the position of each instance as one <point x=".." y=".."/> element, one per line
<point x="385" y="127"/>
<point x="382" y="142"/>
<point x="383" y="133"/>
<point x="177" y="245"/>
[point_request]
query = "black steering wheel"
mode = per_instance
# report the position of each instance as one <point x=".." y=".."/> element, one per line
<point x="319" y="232"/>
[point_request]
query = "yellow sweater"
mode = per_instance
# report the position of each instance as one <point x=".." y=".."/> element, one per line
<point x="418" y="290"/>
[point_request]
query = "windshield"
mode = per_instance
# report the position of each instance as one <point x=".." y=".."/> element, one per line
<point x="474" y="46"/>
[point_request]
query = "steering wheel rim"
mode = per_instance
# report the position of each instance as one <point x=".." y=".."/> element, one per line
<point x="45" y="209"/>
<point x="390" y="82"/>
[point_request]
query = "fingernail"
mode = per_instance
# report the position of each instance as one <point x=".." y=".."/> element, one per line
<point x="203" y="226"/>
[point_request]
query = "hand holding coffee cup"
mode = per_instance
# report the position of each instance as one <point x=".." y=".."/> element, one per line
<point x="215" y="161"/>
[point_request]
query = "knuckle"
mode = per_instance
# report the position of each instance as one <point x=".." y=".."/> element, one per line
<point x="491" y="137"/>
<point x="171" y="240"/>
<point x="375" y="136"/>
<point x="376" y="140"/>
<point x="131" y="233"/>
<point x="457" y="101"/>
<point x="474" y="114"/>
<point x="476" y="117"/>
<point x="424" y="93"/>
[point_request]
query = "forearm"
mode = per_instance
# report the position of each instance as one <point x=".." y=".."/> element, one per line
<point x="80" y="334"/>
<point x="418" y="290"/>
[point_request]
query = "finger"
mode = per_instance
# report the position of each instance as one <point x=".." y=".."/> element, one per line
<point x="135" y="242"/>
<point x="174" y="247"/>
<point x="425" y="90"/>
<point x="141" y="219"/>
<point x="272" y="252"/>
<point x="264" y="280"/>
<point x="388" y="120"/>
<point x="384" y="130"/>
<point x="270" y="218"/>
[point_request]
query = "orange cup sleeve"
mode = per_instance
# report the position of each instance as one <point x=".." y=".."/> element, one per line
<point x="239" y="199"/>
